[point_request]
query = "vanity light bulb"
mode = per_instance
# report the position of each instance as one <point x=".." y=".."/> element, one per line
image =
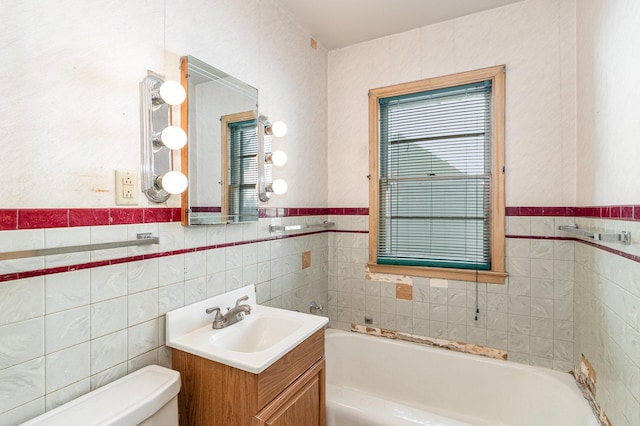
<point x="279" y="158"/>
<point x="279" y="186"/>
<point x="278" y="129"/>
<point x="173" y="137"/>
<point x="172" y="93"/>
<point x="173" y="182"/>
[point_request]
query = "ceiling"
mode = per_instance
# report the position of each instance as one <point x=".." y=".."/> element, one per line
<point x="339" y="23"/>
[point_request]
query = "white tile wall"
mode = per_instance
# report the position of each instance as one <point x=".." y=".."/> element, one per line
<point x="531" y="316"/>
<point x="83" y="329"/>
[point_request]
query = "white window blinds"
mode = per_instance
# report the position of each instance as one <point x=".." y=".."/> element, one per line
<point x="435" y="178"/>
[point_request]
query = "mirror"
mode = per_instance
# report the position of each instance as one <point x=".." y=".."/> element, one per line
<point x="220" y="119"/>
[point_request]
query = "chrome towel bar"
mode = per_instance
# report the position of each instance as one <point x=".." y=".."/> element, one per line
<point x="623" y="237"/>
<point x="323" y="225"/>
<point x="143" y="239"/>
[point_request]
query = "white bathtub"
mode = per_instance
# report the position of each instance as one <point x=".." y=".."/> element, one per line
<point x="379" y="381"/>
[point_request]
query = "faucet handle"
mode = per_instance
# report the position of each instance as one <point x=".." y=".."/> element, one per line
<point x="242" y="299"/>
<point x="218" y="319"/>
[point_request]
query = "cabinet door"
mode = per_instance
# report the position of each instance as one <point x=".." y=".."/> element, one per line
<point x="302" y="403"/>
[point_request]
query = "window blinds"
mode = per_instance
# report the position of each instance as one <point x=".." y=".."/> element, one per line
<point x="243" y="170"/>
<point x="435" y="178"/>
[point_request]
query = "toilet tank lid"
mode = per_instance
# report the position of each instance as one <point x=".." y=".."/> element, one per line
<point x="127" y="401"/>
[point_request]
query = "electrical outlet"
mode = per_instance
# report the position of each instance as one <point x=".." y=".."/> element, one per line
<point x="126" y="188"/>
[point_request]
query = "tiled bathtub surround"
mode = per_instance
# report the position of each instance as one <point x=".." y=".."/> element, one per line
<point x="564" y="297"/>
<point x="531" y="316"/>
<point x="67" y="333"/>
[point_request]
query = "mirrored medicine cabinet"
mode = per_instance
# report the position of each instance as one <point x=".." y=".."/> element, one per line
<point x="220" y="119"/>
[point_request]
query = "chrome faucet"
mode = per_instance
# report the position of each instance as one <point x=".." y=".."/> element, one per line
<point x="232" y="316"/>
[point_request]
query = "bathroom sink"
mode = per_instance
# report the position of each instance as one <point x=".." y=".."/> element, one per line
<point x="253" y="344"/>
<point x="256" y="333"/>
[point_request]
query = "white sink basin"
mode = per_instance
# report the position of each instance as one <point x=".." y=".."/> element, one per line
<point x="252" y="344"/>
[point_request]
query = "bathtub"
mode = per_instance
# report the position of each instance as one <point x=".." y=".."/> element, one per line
<point x="379" y="381"/>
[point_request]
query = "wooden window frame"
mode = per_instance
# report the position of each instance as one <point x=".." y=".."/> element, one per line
<point x="497" y="273"/>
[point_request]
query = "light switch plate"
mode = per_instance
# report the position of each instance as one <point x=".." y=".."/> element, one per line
<point x="126" y="188"/>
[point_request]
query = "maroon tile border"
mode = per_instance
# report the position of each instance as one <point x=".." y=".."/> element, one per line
<point x="16" y="219"/>
<point x="621" y="212"/>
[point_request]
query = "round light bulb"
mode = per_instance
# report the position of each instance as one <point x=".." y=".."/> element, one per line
<point x="173" y="137"/>
<point x="279" y="158"/>
<point x="172" y="93"/>
<point x="279" y="186"/>
<point x="278" y="129"/>
<point x="174" y="182"/>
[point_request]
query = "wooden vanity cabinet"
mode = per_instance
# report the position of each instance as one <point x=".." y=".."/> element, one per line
<point x="291" y="392"/>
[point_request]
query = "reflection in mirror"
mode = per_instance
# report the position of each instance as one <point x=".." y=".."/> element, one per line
<point x="220" y="118"/>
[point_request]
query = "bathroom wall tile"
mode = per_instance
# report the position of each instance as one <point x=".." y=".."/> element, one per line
<point x="67" y="366"/>
<point x="171" y="237"/>
<point x="142" y="338"/>
<point x="518" y="225"/>
<point x="23" y="413"/>
<point x="63" y="237"/>
<point x="171" y="270"/>
<point x="519" y="343"/>
<point x="542" y="308"/>
<point x="438" y="329"/>
<point x="563" y="289"/>
<point x="108" y="316"/>
<point x="542" y="249"/>
<point x="438" y="312"/>
<point x="249" y="274"/>
<point x="66" y="291"/>
<point x="170" y="297"/>
<point x="497" y="302"/>
<point x="456" y="315"/>
<point x="108" y="234"/>
<point x="195" y="290"/>
<point x="520" y="286"/>
<point x="563" y="309"/>
<point x="216" y="284"/>
<point x="519" y="266"/>
<point x="234" y="278"/>
<point x="542" y="226"/>
<point x="22" y="383"/>
<point x="146" y="359"/>
<point x="519" y="305"/>
<point x="497" y="321"/>
<point x="195" y="265"/>
<point x="107" y="376"/>
<point x="564" y="250"/>
<point x="21" y="300"/>
<point x="563" y="330"/>
<point x="542" y="347"/>
<point x="477" y="336"/>
<point x="542" y="268"/>
<point x="518" y="247"/>
<point x="66" y="394"/>
<point x="542" y="288"/>
<point x="21" y="341"/>
<point x="142" y="275"/>
<point x="67" y="328"/>
<point x="497" y="339"/>
<point x="108" y="282"/>
<point x="519" y="324"/>
<point x="194" y="237"/>
<point x="216" y="260"/>
<point x="142" y="306"/>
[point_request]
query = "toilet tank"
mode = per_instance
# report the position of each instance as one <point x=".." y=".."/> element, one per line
<point x="145" y="397"/>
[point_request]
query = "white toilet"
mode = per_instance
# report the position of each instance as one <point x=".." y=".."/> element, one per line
<point x="147" y="397"/>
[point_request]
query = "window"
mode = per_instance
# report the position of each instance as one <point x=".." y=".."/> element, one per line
<point x="240" y="198"/>
<point x="437" y="181"/>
